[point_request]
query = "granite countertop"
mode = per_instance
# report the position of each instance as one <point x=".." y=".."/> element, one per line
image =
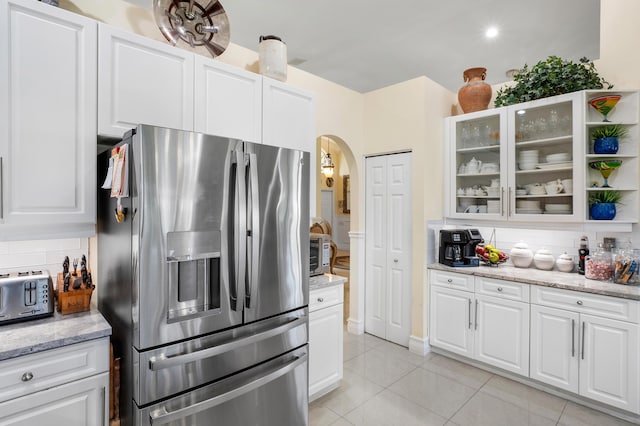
<point x="326" y="280"/>
<point x="33" y="336"/>
<point x="557" y="279"/>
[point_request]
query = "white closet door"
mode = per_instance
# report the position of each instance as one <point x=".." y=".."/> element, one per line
<point x="388" y="243"/>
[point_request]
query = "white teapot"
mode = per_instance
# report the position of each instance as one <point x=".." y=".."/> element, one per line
<point x="473" y="166"/>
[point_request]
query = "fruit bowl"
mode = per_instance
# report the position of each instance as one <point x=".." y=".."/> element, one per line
<point x="490" y="256"/>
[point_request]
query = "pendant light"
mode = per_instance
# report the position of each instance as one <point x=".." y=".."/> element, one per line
<point x="327" y="163"/>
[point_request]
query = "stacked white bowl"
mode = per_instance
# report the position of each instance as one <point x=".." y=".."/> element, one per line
<point x="558" y="157"/>
<point x="528" y="159"/>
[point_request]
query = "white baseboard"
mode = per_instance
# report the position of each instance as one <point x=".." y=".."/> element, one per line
<point x="355" y="326"/>
<point x="419" y="345"/>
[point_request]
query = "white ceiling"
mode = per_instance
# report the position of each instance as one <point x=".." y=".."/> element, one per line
<point x="369" y="44"/>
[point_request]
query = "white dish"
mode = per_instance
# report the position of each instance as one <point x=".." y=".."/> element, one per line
<point x="554" y="166"/>
<point x="558" y="158"/>
<point x="521" y="192"/>
<point x="528" y="211"/>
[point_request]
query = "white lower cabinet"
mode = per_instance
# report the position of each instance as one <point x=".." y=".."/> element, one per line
<point x="592" y="356"/>
<point x="66" y="386"/>
<point x="325" y="340"/>
<point x="80" y="403"/>
<point x="583" y="343"/>
<point x="490" y="329"/>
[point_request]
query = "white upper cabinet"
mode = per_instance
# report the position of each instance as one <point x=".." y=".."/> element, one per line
<point x="142" y="81"/>
<point x="48" y="121"/>
<point x="228" y="100"/>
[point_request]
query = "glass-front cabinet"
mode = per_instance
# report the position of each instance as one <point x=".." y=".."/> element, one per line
<point x="537" y="161"/>
<point x="517" y="162"/>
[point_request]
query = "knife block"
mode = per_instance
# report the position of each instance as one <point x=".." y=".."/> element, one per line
<point x="72" y="301"/>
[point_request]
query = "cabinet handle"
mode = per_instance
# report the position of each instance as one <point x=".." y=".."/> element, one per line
<point x="320" y="299"/>
<point x="470" y="314"/>
<point x="579" y="302"/>
<point x="583" y="324"/>
<point x="573" y="338"/>
<point x="449" y="280"/>
<point x="104" y="402"/>
<point x="475" y="316"/>
<point x="509" y="201"/>
<point x="501" y="200"/>
<point x="27" y="376"/>
<point x="499" y="288"/>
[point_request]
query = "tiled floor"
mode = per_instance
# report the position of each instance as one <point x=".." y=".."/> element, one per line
<point x="385" y="384"/>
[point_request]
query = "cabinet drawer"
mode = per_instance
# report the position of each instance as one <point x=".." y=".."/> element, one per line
<point x="451" y="280"/>
<point x="325" y="297"/>
<point x="31" y="373"/>
<point x="503" y="289"/>
<point x="594" y="304"/>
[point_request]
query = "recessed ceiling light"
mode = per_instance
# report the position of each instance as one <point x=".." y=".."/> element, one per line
<point x="491" y="32"/>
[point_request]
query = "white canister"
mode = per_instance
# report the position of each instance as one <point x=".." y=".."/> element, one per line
<point x="273" y="57"/>
<point x="543" y="259"/>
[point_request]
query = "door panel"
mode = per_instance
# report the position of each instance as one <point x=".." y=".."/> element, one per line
<point x="278" y="247"/>
<point x="451" y="320"/>
<point x="609" y="362"/>
<point x="555" y="351"/>
<point x="502" y="333"/>
<point x="183" y="264"/>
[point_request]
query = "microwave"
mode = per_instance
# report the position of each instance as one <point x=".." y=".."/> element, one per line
<point x="319" y="254"/>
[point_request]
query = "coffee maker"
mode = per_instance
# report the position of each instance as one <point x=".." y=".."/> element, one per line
<point x="458" y="247"/>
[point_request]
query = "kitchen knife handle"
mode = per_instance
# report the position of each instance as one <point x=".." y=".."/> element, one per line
<point x="573" y="338"/>
<point x="253" y="237"/>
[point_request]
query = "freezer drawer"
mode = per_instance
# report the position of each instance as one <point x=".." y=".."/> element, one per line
<point x="270" y="394"/>
<point x="172" y="369"/>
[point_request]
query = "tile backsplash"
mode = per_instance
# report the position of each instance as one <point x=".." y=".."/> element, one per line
<point x="18" y="256"/>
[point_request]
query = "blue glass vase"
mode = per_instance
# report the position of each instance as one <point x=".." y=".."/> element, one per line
<point x="602" y="211"/>
<point x="605" y="146"/>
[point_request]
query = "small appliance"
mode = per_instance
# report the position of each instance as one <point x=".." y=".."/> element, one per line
<point x="319" y="254"/>
<point x="25" y="296"/>
<point x="458" y="247"/>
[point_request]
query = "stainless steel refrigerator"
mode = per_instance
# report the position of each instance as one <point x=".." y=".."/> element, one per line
<point x="205" y="281"/>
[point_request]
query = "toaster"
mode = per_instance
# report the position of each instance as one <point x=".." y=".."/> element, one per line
<point x="25" y="296"/>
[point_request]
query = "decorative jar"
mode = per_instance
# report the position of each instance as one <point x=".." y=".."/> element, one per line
<point x="565" y="263"/>
<point x="544" y="260"/>
<point x="476" y="94"/>
<point x="597" y="266"/>
<point x="521" y="256"/>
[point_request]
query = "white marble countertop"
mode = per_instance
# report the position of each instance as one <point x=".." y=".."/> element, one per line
<point x="325" y="280"/>
<point x="33" y="336"/>
<point x="557" y="279"/>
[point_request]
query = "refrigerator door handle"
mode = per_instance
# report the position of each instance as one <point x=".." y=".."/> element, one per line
<point x="162" y="416"/>
<point x="160" y="363"/>
<point x="253" y="234"/>
<point x="239" y="216"/>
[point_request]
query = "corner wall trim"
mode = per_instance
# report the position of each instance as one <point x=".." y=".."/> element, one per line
<point x="355" y="326"/>
<point x="419" y="345"/>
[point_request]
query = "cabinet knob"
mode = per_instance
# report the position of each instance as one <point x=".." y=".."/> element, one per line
<point x="27" y="376"/>
<point x="395" y="260"/>
<point x="320" y="299"/>
<point x="499" y="288"/>
<point x="449" y="280"/>
<point x="579" y="302"/>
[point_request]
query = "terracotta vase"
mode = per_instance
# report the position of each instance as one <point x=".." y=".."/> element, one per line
<point x="476" y="94"/>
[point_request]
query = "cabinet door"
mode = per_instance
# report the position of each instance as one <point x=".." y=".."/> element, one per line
<point x="228" y="101"/>
<point x="289" y="121"/>
<point x="450" y="319"/>
<point x="545" y="160"/>
<point x="502" y="333"/>
<point x="142" y="81"/>
<point x="325" y="349"/>
<point x="555" y="353"/>
<point x="47" y="118"/>
<point x="609" y="362"/>
<point x="477" y="165"/>
<point x="80" y="403"/>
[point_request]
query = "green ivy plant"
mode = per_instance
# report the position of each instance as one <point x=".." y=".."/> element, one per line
<point x="553" y="76"/>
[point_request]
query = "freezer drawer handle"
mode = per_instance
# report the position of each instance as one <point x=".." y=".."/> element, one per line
<point x="156" y="364"/>
<point x="162" y="416"/>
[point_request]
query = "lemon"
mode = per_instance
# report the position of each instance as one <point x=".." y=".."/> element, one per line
<point x="494" y="257"/>
<point x="489" y="247"/>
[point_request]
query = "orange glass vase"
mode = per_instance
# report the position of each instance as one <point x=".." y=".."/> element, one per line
<point x="476" y="94"/>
